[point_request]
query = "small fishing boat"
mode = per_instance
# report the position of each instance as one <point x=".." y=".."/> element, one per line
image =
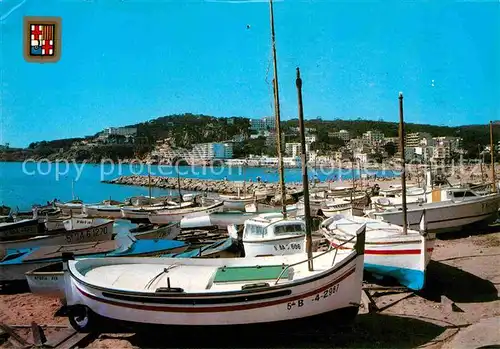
<point x="332" y="209"/>
<point x="22" y="229"/>
<point x="236" y="202"/>
<point x="214" y="291"/>
<point x="270" y="234"/>
<point x="70" y="207"/>
<point x="42" y="267"/>
<point x="388" y="251"/>
<point x="103" y="211"/>
<point x="176" y="215"/>
<point x="445" y="216"/>
<point x="166" y="232"/>
<point x="98" y="230"/>
<point x="217" y="219"/>
<point x="141" y="214"/>
<point x="228" y="248"/>
<point x="325" y="207"/>
<point x="291" y="210"/>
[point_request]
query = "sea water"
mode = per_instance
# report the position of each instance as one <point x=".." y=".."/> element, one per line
<point x="25" y="184"/>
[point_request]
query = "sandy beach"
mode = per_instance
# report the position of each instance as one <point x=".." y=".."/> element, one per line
<point x="463" y="284"/>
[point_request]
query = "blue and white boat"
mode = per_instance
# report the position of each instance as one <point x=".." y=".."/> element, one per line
<point x="388" y="251"/>
<point x="17" y="262"/>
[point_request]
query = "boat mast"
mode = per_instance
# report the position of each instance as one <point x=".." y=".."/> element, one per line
<point x="277" y="115"/>
<point x="305" y="179"/>
<point x="403" y="166"/>
<point x="179" y="184"/>
<point x="492" y="150"/>
<point x="481" y="161"/>
<point x="149" y="183"/>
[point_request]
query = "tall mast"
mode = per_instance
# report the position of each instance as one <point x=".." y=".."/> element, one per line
<point x="277" y="115"/>
<point x="492" y="150"/>
<point x="403" y="165"/>
<point x="149" y="183"/>
<point x="305" y="179"/>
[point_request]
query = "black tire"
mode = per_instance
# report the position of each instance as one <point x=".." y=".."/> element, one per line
<point x="82" y="318"/>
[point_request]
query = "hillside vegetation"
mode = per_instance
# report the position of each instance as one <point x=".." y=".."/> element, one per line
<point x="187" y="129"/>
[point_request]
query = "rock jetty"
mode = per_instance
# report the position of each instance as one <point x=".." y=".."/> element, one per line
<point x="203" y="185"/>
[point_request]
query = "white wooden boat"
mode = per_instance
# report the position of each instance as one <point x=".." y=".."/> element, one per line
<point x="166" y="232"/>
<point x="227" y="218"/>
<point x="103" y="211"/>
<point x="325" y="207"/>
<point x="218" y="219"/>
<point x="291" y="210"/>
<point x="269" y="234"/>
<point x="208" y="292"/>
<point x="176" y="215"/>
<point x="100" y="230"/>
<point x="446" y="215"/>
<point x="54" y="225"/>
<point x="388" y="252"/>
<point x="32" y="264"/>
<point x="142" y="213"/>
<point x="333" y="209"/>
<point x="236" y="202"/>
<point x="21" y="229"/>
<point x="68" y="208"/>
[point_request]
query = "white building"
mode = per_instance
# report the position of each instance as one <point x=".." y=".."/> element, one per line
<point x="418" y="139"/>
<point x="310" y="139"/>
<point x="293" y="149"/>
<point x="267" y="123"/>
<point x="441" y="153"/>
<point x="453" y="143"/>
<point x="210" y="151"/>
<point x="342" y="134"/>
<point x="373" y="136"/>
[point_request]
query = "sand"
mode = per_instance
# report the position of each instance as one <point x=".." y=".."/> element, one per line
<point x="463" y="289"/>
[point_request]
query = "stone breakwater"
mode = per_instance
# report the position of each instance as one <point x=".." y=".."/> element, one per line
<point x="202" y="185"/>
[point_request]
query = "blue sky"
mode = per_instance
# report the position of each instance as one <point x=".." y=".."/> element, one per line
<point x="129" y="61"/>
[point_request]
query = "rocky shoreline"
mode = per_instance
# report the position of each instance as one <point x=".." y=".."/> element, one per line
<point x="202" y="185"/>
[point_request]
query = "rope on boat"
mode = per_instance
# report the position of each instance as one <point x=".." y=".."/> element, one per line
<point x="164" y="271"/>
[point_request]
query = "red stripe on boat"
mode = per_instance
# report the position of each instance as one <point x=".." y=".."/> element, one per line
<point x="216" y="309"/>
<point x="389" y="252"/>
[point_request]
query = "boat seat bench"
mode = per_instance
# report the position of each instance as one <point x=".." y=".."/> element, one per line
<point x="250" y="273"/>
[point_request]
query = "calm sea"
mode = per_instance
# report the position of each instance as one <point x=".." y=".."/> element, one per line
<point x="25" y="184"/>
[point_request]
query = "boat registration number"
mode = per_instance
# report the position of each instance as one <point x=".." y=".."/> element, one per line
<point x="85" y="235"/>
<point x="292" y="246"/>
<point x="20" y="231"/>
<point x="318" y="297"/>
<point x="46" y="278"/>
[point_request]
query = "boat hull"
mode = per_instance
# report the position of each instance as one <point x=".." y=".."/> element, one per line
<point x="447" y="216"/>
<point x="219" y="219"/>
<point x="274" y="247"/>
<point x="237" y="204"/>
<point x="93" y="211"/>
<point x="177" y="215"/>
<point x="169" y="232"/>
<point x="69" y="209"/>
<point x="340" y="209"/>
<point x="47" y="281"/>
<point x="98" y="233"/>
<point x="405" y="261"/>
<point x="336" y="289"/>
<point x="22" y="229"/>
